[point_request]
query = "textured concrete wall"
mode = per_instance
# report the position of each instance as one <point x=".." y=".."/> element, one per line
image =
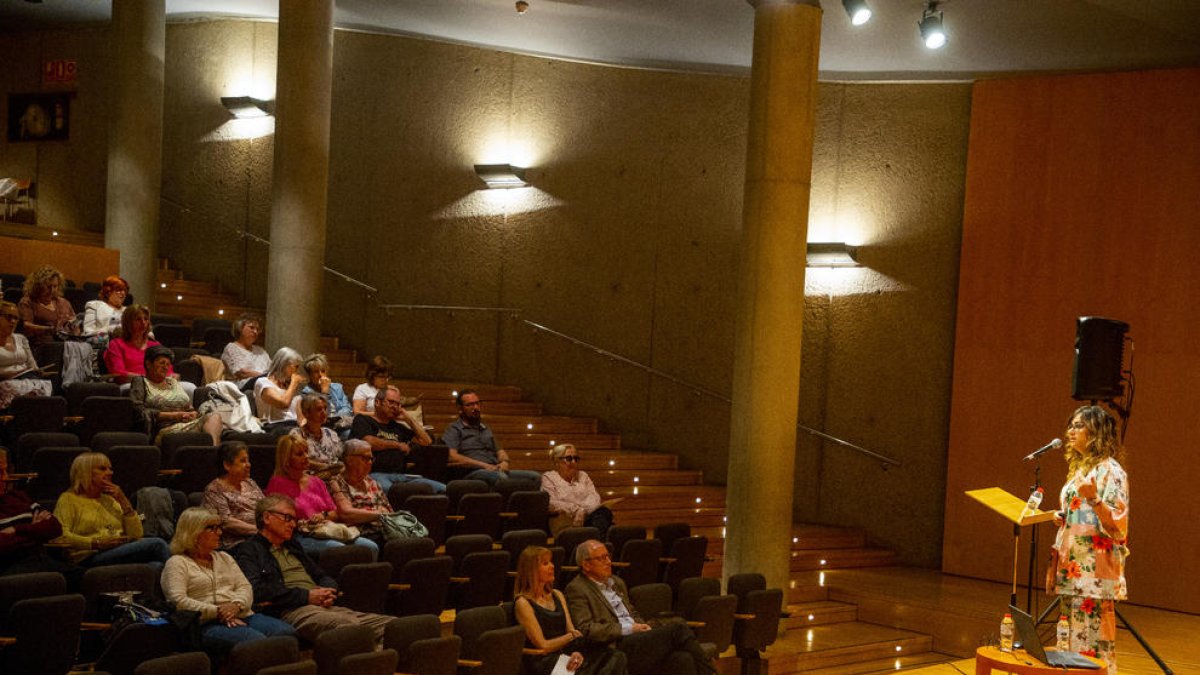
<point x="627" y="240"/>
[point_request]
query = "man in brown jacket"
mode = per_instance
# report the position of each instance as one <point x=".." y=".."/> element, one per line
<point x="601" y="610"/>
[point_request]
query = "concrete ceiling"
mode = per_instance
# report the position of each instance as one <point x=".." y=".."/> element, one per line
<point x="985" y="36"/>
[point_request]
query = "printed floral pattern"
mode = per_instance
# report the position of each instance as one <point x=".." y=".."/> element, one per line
<point x="1091" y="559"/>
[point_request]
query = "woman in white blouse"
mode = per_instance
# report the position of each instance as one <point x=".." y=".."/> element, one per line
<point x="200" y="578"/>
<point x="102" y="318"/>
<point x="243" y="359"/>
<point x="574" y="500"/>
<point x="277" y="396"/>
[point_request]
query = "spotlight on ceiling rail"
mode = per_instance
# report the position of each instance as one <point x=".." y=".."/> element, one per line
<point x="858" y="11"/>
<point x="932" y="31"/>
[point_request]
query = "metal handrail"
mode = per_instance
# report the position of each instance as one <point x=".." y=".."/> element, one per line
<point x="455" y="308"/>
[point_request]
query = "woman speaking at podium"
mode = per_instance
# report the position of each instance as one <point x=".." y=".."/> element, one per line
<point x="1088" y="564"/>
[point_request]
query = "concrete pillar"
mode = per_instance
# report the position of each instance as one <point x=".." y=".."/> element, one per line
<point x="139" y="35"/>
<point x="301" y="171"/>
<point x="766" y="381"/>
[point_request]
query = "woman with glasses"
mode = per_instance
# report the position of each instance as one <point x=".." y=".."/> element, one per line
<point x="360" y="501"/>
<point x="244" y="360"/>
<point x="324" y="444"/>
<point x="1089" y="550"/>
<point x="314" y="506"/>
<point x="574" y="501"/>
<point x="200" y="578"/>
<point x="19" y="374"/>
<point x="102" y="318"/>
<point x="233" y="495"/>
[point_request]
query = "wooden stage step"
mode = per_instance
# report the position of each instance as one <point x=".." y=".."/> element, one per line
<point x="904" y="662"/>
<point x="841" y="558"/>
<point x="840" y="644"/>
<point x="817" y="613"/>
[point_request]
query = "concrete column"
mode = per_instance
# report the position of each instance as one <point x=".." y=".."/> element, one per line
<point x="766" y="381"/>
<point x="301" y="171"/>
<point x="139" y="35"/>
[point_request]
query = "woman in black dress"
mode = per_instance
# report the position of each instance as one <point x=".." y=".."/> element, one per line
<point x="542" y="612"/>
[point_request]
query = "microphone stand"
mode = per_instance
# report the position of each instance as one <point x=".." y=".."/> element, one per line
<point x="1033" y="542"/>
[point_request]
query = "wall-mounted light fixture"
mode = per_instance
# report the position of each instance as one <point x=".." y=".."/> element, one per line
<point x="933" y="33"/>
<point x="858" y="10"/>
<point x="501" y="175"/>
<point x="832" y="254"/>
<point x="247" y="106"/>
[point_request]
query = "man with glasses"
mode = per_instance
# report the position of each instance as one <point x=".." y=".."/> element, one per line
<point x="390" y="429"/>
<point x="293" y="587"/>
<point x="473" y="449"/>
<point x="601" y="610"/>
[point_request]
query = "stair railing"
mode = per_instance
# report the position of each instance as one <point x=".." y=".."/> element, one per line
<point x="515" y="313"/>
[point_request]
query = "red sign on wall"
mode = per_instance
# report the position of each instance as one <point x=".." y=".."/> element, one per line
<point x="60" y="71"/>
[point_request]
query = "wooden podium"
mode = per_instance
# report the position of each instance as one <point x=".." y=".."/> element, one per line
<point x="1010" y="506"/>
<point x="1013" y="509"/>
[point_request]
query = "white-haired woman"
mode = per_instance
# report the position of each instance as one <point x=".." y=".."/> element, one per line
<point x="202" y="579"/>
<point x="574" y="500"/>
<point x="98" y="521"/>
<point x="360" y="501"/>
<point x="277" y="395"/>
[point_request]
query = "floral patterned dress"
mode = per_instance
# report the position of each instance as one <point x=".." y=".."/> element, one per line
<point x="1091" y="558"/>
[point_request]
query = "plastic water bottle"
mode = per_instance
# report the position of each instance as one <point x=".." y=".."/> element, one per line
<point x="1006" y="633"/>
<point x="1064" y="634"/>
<point x="1035" y="500"/>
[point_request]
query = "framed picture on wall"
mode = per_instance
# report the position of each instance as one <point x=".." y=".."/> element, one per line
<point x="39" y="117"/>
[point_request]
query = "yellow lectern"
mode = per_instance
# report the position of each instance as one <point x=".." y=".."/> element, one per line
<point x="1014" y="510"/>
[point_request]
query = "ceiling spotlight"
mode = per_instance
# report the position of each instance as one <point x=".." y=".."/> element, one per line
<point x="858" y="11"/>
<point x="931" y="27"/>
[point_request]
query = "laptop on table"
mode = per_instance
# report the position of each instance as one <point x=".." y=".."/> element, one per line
<point x="1033" y="645"/>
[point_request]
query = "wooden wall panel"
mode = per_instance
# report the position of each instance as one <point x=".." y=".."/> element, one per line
<point x="80" y="263"/>
<point x="1083" y="198"/>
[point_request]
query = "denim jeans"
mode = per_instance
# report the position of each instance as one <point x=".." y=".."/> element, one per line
<point x="145" y="550"/>
<point x="386" y="480"/>
<point x="492" y="477"/>
<point x="218" y="638"/>
<point x="313" y="546"/>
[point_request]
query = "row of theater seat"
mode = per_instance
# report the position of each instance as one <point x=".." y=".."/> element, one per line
<point x="43" y="624"/>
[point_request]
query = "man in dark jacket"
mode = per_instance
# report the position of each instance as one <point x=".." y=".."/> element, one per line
<point x="283" y="576"/>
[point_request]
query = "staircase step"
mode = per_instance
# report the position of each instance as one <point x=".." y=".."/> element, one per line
<point x="841" y="644"/>
<point x="516" y="424"/>
<point x="651" y="518"/>
<point x="838" y="558"/>
<point x="627" y="478"/>
<point x="541" y="443"/>
<point x="595" y="460"/>
<point x="447" y="407"/>
<point x="821" y="612"/>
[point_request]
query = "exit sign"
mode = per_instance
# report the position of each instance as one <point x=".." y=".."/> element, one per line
<point x="60" y="71"/>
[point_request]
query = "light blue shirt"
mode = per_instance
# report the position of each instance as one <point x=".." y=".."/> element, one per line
<point x="610" y="594"/>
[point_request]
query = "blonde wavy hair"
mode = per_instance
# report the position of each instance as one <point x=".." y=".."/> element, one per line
<point x="1103" y="442"/>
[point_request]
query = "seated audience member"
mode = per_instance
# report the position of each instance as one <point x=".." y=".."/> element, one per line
<point x="379" y="373"/>
<point x="162" y="401"/>
<point x="243" y="359"/>
<point x="383" y="430"/>
<point x="99" y="524"/>
<point x="324" y="445"/>
<point x="102" y="318"/>
<point x="44" y="311"/>
<point x="473" y="447"/>
<point x="199" y="578"/>
<point x="340" y="413"/>
<point x="599" y="603"/>
<point x="277" y="394"/>
<point x="572" y="495"/>
<point x="285" y="577"/>
<point x="24" y="527"/>
<point x="125" y="356"/>
<point x="542" y="611"/>
<point x="19" y="374"/>
<point x="233" y="494"/>
<point x="360" y="501"/>
<point x="311" y="498"/>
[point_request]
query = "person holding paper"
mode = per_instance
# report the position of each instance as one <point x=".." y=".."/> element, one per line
<point x="542" y="611"/>
<point x="19" y="373"/>
<point x="1088" y="564"/>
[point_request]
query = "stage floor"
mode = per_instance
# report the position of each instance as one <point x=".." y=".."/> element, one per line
<point x="964" y="613"/>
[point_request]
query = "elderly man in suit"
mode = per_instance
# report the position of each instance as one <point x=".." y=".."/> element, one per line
<point x="601" y="610"/>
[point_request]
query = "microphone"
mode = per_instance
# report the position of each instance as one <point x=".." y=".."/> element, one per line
<point x="1052" y="445"/>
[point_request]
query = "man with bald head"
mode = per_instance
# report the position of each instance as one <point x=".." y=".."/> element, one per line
<point x="601" y="610"/>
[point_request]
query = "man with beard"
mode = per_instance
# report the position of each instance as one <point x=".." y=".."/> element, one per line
<point x="473" y="448"/>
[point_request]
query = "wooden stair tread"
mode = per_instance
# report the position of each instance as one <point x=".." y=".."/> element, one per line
<point x="819" y="612"/>
<point x="885" y="665"/>
<point x="844" y="643"/>
<point x="837" y="558"/>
